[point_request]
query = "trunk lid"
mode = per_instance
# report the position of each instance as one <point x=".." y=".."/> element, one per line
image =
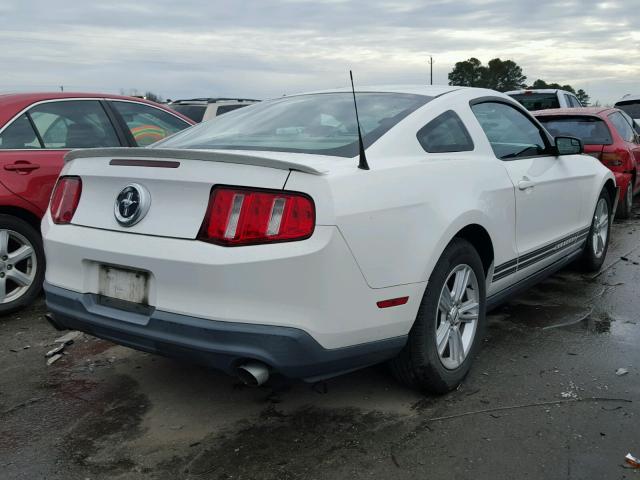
<point x="179" y="183"/>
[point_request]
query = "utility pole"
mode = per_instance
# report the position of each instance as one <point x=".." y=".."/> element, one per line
<point x="431" y="67"/>
<point x="62" y="88"/>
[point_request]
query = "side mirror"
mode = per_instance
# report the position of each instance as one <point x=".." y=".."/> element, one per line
<point x="569" y="146"/>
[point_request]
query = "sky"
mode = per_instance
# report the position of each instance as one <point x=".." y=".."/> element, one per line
<point x="267" y="48"/>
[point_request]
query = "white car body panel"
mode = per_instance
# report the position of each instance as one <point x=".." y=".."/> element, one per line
<point x="379" y="233"/>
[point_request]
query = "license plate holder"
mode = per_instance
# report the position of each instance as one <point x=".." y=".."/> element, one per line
<point x="124" y="284"/>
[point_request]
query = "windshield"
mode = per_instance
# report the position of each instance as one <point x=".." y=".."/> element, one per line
<point x="537" y="101"/>
<point x="318" y="124"/>
<point x="631" y="108"/>
<point x="194" y="112"/>
<point x="591" y="130"/>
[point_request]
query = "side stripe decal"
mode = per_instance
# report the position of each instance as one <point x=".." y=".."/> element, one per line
<point x="512" y="266"/>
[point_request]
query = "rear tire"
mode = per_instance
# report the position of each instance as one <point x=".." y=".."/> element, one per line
<point x="425" y="365"/>
<point x="625" y="207"/>
<point x="22" y="264"/>
<point x="595" y="250"/>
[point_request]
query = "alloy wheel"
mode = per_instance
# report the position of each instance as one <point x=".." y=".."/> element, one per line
<point x="18" y="265"/>
<point x="600" y="229"/>
<point x="457" y="316"/>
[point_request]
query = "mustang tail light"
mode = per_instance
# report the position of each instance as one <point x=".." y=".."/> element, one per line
<point x="65" y="199"/>
<point x="244" y="216"/>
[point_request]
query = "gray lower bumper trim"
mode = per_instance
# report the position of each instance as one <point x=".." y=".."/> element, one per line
<point x="222" y="345"/>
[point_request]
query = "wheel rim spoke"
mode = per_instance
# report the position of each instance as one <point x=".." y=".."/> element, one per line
<point x="460" y="284"/>
<point x="446" y="301"/>
<point x="442" y="337"/>
<point x="4" y="242"/>
<point x="3" y="288"/>
<point x="19" y="277"/>
<point x="20" y="254"/>
<point x="456" y="347"/>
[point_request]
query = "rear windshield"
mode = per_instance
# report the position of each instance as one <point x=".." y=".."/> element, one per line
<point x="537" y="101"/>
<point x="591" y="130"/>
<point x="317" y="123"/>
<point x="194" y="112"/>
<point x="631" y="108"/>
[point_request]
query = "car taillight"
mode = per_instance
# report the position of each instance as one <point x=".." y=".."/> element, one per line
<point x="65" y="199"/>
<point x="244" y="216"/>
<point x="612" y="159"/>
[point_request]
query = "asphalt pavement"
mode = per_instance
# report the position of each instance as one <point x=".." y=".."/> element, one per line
<point x="547" y="398"/>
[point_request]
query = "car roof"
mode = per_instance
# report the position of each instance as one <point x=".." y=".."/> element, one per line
<point x="204" y="101"/>
<point x="12" y="103"/>
<point x="427" y="90"/>
<point x="587" y="111"/>
<point x="538" y="90"/>
<point x="629" y="98"/>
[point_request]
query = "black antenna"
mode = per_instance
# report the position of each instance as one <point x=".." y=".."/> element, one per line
<point x="363" y="158"/>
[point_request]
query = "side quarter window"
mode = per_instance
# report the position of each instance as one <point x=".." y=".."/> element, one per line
<point x="445" y="133"/>
<point x="19" y="135"/>
<point x="148" y="124"/>
<point x="622" y="126"/>
<point x="511" y="134"/>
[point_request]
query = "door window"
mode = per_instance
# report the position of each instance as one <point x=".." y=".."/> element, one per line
<point x="622" y="126"/>
<point x="73" y="124"/>
<point x="445" y="133"/>
<point x="148" y="124"/>
<point x="19" y="135"/>
<point x="510" y="133"/>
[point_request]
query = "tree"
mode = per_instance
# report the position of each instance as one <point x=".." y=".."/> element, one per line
<point x="498" y="74"/>
<point x="539" y="83"/>
<point x="504" y="75"/>
<point x="467" y="73"/>
<point x="583" y="97"/>
<point x="153" y="97"/>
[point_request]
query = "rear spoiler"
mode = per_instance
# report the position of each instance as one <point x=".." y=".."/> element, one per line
<point x="203" y="155"/>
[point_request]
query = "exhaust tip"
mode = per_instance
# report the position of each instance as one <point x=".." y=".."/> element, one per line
<point x="253" y="374"/>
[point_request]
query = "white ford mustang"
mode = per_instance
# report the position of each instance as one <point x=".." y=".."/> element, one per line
<point x="267" y="241"/>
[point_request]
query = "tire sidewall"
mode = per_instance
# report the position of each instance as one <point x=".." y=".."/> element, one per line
<point x="592" y="262"/>
<point x="625" y="207"/>
<point x="8" y="222"/>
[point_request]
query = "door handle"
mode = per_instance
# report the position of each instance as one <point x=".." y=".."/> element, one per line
<point x="21" y="167"/>
<point x="526" y="183"/>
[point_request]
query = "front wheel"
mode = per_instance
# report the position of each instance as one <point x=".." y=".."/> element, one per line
<point x="21" y="264"/>
<point x="597" y="244"/>
<point x="450" y="323"/>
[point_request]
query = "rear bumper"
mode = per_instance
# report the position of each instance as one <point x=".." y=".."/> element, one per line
<point x="218" y="344"/>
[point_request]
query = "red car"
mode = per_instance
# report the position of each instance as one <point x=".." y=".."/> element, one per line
<point x="36" y="130"/>
<point x="609" y="136"/>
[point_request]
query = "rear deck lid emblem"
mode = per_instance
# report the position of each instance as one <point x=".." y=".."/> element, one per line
<point x="132" y="204"/>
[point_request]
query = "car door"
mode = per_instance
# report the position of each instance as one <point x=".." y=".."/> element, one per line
<point x="34" y="144"/>
<point x="624" y="126"/>
<point x="549" y="189"/>
<point x="145" y="124"/>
